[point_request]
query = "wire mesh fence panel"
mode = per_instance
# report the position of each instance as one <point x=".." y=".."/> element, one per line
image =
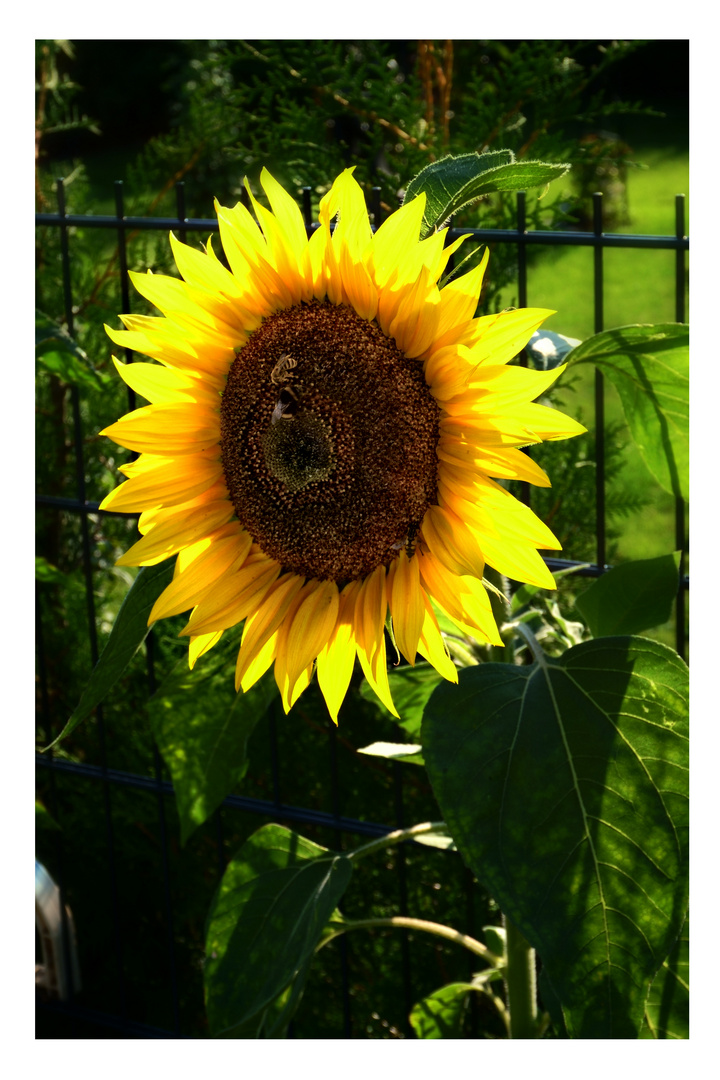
<point x="138" y="896"/>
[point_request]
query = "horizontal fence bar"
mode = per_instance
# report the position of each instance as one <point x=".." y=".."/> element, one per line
<point x="506" y="236"/>
<point x="62" y="502"/>
<point x="577" y="239"/>
<point x="236" y="802"/>
<point x="112" y="221"/>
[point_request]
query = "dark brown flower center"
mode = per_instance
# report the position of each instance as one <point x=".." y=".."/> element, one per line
<point x="328" y="437"/>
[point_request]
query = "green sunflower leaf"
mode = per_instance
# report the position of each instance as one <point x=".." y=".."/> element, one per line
<point x="48" y="574"/>
<point x="440" y="1014"/>
<point x="202" y="727"/>
<point x="649" y="366"/>
<point x="564" y="786"/>
<point x="127" y="635"/>
<point x="454" y="182"/>
<point x="60" y="354"/>
<point x="667" y="1010"/>
<point x="631" y="597"/>
<point x="266" y="919"/>
<point x="43" y="817"/>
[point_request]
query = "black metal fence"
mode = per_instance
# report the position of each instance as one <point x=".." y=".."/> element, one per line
<point x="80" y="1015"/>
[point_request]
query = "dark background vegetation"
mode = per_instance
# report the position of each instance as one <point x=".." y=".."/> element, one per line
<point x="150" y="112"/>
<point x="135" y="90"/>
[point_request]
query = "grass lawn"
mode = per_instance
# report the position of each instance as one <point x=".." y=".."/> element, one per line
<point x="639" y="287"/>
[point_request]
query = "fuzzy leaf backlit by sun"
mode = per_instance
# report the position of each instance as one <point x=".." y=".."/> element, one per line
<point x="323" y="442"/>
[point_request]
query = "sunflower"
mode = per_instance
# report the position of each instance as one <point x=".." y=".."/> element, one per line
<point x="324" y="442"/>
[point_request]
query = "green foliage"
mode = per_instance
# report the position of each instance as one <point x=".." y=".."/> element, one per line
<point x="48" y="574"/>
<point x="307" y="110"/>
<point x="440" y="1015"/>
<point x="649" y="367"/>
<point x="455" y="182"/>
<point x="564" y="784"/>
<point x="267" y="918"/>
<point x="55" y="91"/>
<point x="569" y="506"/>
<point x="128" y="633"/>
<point x="202" y="727"/>
<point x="667" y="1010"/>
<point x="411" y="688"/>
<point x="43" y="817"/>
<point x="56" y="351"/>
<point x="632" y="597"/>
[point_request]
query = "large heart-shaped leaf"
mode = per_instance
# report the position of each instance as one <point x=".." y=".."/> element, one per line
<point x="267" y="917"/>
<point x="649" y="366"/>
<point x="454" y="182"/>
<point x="564" y="785"/>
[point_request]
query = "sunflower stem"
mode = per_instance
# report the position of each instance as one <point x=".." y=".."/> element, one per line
<point x="406" y="922"/>
<point x="520" y="983"/>
<point x="499" y="604"/>
<point x="533" y="644"/>
<point x="395" y="837"/>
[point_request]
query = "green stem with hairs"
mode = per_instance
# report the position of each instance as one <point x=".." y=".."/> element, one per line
<point x="520" y="983"/>
<point x="395" y="838"/>
<point x="407" y="923"/>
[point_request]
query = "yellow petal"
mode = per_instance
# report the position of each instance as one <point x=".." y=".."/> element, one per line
<point x="264" y="620"/>
<point x="192" y="308"/>
<point x="406" y="604"/>
<point x="156" y="481"/>
<point x="166" y="538"/>
<point x="182" y="428"/>
<point x="370" y="608"/>
<point x="499" y="338"/>
<point x="200" y="644"/>
<point x="305" y="632"/>
<point x="279" y="253"/>
<point x="459" y="298"/>
<point x="451" y="541"/>
<point x="221" y="558"/>
<point x="192" y="353"/>
<point x="234" y="597"/>
<point x="432" y="646"/>
<point x="205" y="272"/>
<point x="394" y="240"/>
<point x="337" y="659"/>
<point x="287" y="213"/>
<point x="461" y="597"/>
<point x="259" y="664"/>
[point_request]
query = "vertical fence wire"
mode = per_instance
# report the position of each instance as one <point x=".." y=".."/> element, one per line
<point x="599" y="323"/>
<point x="680" y="538"/>
<point x="339" y="845"/>
<point x="521" y="226"/>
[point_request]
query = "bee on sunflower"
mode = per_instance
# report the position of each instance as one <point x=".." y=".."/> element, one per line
<point x="324" y="442"/>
